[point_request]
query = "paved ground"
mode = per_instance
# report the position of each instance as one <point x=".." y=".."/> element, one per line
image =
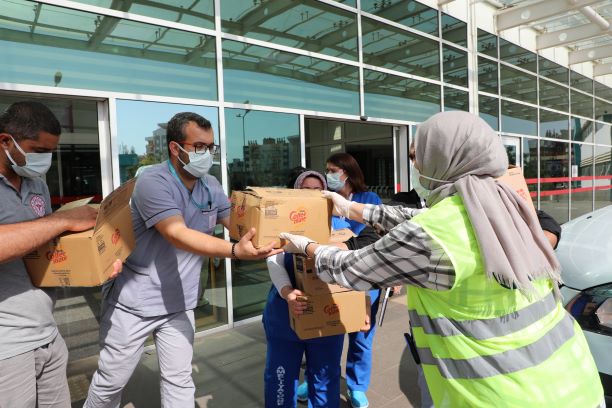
<point x="228" y="369"/>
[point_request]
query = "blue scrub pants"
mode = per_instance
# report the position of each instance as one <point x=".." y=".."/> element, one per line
<point x="359" y="355"/>
<point x="284" y="359"/>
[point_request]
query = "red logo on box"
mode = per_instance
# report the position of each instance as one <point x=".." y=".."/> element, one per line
<point x="116" y="236"/>
<point x="331" y="309"/>
<point x="57" y="256"/>
<point x="298" y="216"/>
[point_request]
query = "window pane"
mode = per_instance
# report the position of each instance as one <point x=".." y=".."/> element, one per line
<point x="75" y="49"/>
<point x="518" y="85"/>
<point x="306" y="24"/>
<point x="407" y="12"/>
<point x="400" y="50"/>
<point x="530" y="167"/>
<point x="603" y="177"/>
<point x="582" y="179"/>
<point x="488" y="109"/>
<point x="603" y="110"/>
<point x="515" y="55"/>
<point x="198" y="13"/>
<point x="582" y="130"/>
<point x="603" y="91"/>
<point x="554" y="96"/>
<point x="554" y="125"/>
<point x="454" y="99"/>
<point x="454" y="30"/>
<point x="603" y="134"/>
<point x="582" y="104"/>
<point x="487" y="75"/>
<point x="261" y="149"/>
<point x="552" y="70"/>
<point x="371" y="145"/>
<point x="554" y="183"/>
<point x="517" y="118"/>
<point x="394" y="97"/>
<point x="455" y="66"/>
<point x="264" y="76"/>
<point x="581" y="82"/>
<point x="487" y="43"/>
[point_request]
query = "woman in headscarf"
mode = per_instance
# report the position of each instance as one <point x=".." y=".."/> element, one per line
<point x="482" y="279"/>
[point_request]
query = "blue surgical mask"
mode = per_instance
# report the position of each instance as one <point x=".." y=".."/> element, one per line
<point x="333" y="181"/>
<point x="199" y="164"/>
<point x="36" y="165"/>
<point x="415" y="176"/>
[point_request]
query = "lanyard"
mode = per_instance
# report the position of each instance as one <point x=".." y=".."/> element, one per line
<point x="201" y="207"/>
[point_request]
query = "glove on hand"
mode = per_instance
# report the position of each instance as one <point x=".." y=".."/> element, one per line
<point x="297" y="243"/>
<point x="342" y="206"/>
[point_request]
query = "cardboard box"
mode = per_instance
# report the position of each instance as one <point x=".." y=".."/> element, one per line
<point x="514" y="178"/>
<point x="308" y="281"/>
<point x="331" y="314"/>
<point x="86" y="258"/>
<point x="275" y="210"/>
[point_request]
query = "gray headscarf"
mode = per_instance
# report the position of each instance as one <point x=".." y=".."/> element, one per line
<point x="309" y="173"/>
<point x="466" y="155"/>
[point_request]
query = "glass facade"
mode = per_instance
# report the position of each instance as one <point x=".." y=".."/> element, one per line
<point x="287" y="83"/>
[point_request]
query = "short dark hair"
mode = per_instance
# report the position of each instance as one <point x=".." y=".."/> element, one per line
<point x="174" y="130"/>
<point x="26" y="119"/>
<point x="351" y="168"/>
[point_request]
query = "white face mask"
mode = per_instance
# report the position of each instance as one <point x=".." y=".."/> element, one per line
<point x="333" y="181"/>
<point x="36" y="165"/>
<point x="415" y="176"/>
<point x="199" y="164"/>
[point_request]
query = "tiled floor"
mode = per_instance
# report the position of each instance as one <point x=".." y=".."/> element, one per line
<point x="228" y="369"/>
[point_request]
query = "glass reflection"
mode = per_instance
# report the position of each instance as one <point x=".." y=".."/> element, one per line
<point x="554" y="96"/>
<point x="603" y="91"/>
<point x="455" y="66"/>
<point x="454" y="30"/>
<point x="261" y="149"/>
<point x="554" y="182"/>
<point x="264" y="76"/>
<point x="56" y="46"/>
<point x="553" y="125"/>
<point x="581" y="179"/>
<point x="307" y="24"/>
<point x="603" y="176"/>
<point x="394" y="97"/>
<point x="552" y="70"/>
<point x="518" y="85"/>
<point x="582" y="104"/>
<point x="603" y="110"/>
<point x="530" y="167"/>
<point x="407" y="12"/>
<point x="517" y="55"/>
<point x="487" y="75"/>
<point x="488" y="109"/>
<point x="517" y="118"/>
<point x="581" y="82"/>
<point x="455" y="99"/>
<point x="603" y="134"/>
<point x="582" y="130"/>
<point x="392" y="48"/>
<point x="487" y="43"/>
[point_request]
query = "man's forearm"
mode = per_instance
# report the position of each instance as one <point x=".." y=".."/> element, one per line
<point x="202" y="244"/>
<point x="22" y="238"/>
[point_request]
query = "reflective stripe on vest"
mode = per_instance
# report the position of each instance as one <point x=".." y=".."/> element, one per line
<point x="484" y="329"/>
<point x="506" y="362"/>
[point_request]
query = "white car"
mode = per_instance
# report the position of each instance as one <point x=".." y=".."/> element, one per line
<point x="585" y="253"/>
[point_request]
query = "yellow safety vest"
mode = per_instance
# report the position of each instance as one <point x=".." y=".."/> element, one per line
<point x="484" y="345"/>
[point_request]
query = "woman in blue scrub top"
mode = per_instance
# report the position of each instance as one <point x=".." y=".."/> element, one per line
<point x="284" y="348"/>
<point x="344" y="176"/>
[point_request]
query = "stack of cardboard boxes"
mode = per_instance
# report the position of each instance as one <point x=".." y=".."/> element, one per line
<point x="331" y="309"/>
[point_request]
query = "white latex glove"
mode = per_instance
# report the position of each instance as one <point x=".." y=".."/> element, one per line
<point x="297" y="243"/>
<point x="342" y="206"/>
